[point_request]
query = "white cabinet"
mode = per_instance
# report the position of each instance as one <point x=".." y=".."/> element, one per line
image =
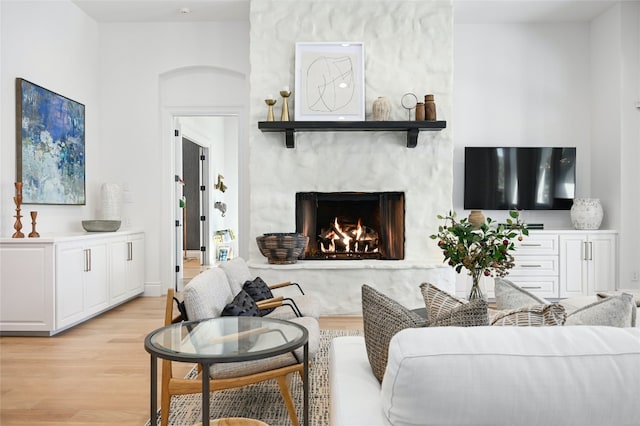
<point x="50" y="284"/>
<point x="588" y="263"/>
<point x="561" y="264"/>
<point x="81" y="270"/>
<point x="127" y="267"/>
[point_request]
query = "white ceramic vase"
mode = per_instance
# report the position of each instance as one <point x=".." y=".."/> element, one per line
<point x="586" y="213"/>
<point x="381" y="109"/>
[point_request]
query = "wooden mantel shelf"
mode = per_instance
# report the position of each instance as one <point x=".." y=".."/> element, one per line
<point x="289" y="128"/>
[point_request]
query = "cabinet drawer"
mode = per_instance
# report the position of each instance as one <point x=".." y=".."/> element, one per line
<point x="537" y="244"/>
<point x="535" y="266"/>
<point x="542" y="286"/>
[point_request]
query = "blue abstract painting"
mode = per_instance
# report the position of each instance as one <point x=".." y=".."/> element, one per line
<point x="50" y="146"/>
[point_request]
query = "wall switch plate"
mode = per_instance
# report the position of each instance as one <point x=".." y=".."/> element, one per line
<point x="635" y="276"/>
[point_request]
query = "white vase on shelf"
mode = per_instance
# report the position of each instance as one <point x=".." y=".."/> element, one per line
<point x="586" y="213"/>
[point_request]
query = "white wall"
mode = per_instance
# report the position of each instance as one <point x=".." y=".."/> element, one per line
<point x="54" y="45"/>
<point x="522" y="85"/>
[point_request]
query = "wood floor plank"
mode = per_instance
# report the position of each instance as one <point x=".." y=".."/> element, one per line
<point x="96" y="373"/>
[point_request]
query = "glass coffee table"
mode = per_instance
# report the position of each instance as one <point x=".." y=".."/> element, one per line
<point x="223" y="340"/>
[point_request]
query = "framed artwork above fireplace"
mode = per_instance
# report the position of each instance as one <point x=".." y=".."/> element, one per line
<point x="329" y="82"/>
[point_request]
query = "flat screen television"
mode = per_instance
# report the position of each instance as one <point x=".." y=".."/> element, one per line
<point x="522" y="178"/>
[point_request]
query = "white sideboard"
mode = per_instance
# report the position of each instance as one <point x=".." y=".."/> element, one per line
<point x="49" y="284"/>
<point x="560" y="264"/>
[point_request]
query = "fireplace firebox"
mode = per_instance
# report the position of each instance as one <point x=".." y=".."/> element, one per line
<point x="351" y="225"/>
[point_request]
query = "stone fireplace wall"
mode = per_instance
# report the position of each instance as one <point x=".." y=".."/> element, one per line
<point x="408" y="48"/>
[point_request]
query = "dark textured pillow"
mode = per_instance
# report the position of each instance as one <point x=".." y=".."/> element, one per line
<point x="383" y="317"/>
<point x="259" y="290"/>
<point x="532" y="316"/>
<point x="444" y="309"/>
<point x="242" y="305"/>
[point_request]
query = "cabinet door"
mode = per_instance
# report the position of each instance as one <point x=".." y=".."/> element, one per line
<point x="96" y="278"/>
<point x="71" y="262"/>
<point x="601" y="263"/>
<point x="118" y="287"/>
<point x="135" y="278"/>
<point x="573" y="267"/>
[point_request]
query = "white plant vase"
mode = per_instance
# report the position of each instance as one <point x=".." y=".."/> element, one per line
<point x="586" y="213"/>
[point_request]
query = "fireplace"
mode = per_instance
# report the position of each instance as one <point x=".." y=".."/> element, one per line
<point x="351" y="225"/>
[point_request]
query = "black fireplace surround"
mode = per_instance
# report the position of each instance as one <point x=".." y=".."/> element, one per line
<point x="323" y="216"/>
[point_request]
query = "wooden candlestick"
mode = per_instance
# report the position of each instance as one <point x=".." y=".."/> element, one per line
<point x="18" y="225"/>
<point x="33" y="233"/>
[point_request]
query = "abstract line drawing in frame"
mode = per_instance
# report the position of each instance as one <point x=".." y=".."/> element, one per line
<point x="50" y="146"/>
<point x="329" y="81"/>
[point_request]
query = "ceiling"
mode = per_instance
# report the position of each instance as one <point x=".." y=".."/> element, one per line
<point x="465" y="11"/>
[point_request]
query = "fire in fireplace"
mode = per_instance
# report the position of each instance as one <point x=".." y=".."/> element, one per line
<point x="352" y="225"/>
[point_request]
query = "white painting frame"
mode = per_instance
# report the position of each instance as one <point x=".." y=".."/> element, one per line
<point x="329" y="81"/>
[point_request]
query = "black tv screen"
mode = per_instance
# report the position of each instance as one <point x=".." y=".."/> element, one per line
<point x="523" y="178"/>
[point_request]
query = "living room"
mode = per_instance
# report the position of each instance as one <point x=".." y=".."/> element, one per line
<point x="564" y="76"/>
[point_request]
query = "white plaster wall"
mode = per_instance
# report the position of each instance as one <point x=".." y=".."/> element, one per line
<point x="408" y="48"/>
<point x="54" y="45"/>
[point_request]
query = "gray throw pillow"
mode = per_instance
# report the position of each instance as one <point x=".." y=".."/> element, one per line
<point x="531" y="316"/>
<point x="633" y="292"/>
<point x="613" y="311"/>
<point x="512" y="296"/>
<point x="444" y="309"/>
<point x="383" y="317"/>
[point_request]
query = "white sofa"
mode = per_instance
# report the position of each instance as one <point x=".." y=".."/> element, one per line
<point x="582" y="375"/>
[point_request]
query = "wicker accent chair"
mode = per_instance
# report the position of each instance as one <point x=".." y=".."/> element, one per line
<point x="238" y="273"/>
<point x="205" y="297"/>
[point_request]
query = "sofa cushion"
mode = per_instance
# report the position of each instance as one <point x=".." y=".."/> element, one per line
<point x="535" y="315"/>
<point x="613" y="311"/>
<point x="512" y="376"/>
<point x="242" y="305"/>
<point x="259" y="290"/>
<point x="383" y="317"/>
<point x="444" y="309"/>
<point x="206" y="295"/>
<point x="512" y="296"/>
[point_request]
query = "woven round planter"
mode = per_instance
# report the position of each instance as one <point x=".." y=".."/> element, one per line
<point x="282" y="248"/>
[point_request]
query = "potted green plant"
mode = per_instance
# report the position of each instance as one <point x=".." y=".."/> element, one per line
<point x="481" y="250"/>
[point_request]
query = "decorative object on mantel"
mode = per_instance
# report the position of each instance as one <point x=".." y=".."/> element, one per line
<point x="381" y="109"/>
<point x="476" y="218"/>
<point x="429" y="108"/>
<point x="409" y="102"/>
<point x="101" y="225"/>
<point x="420" y="111"/>
<point x="482" y="251"/>
<point x="586" y="213"/>
<point x="33" y="233"/>
<point x="282" y="248"/>
<point x="18" y="200"/>
<point x="285" y="93"/>
<point x="270" y="101"/>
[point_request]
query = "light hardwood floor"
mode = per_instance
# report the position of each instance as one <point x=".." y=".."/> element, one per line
<point x="96" y="373"/>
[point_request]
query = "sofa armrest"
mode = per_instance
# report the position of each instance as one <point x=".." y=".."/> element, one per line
<point x="354" y="390"/>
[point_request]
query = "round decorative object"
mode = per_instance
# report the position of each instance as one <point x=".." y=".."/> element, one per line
<point x="282" y="248"/>
<point x="381" y="109"/>
<point x="586" y="213"/>
<point x="476" y="218"/>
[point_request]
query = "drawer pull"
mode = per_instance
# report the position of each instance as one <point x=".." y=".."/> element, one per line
<point x="531" y="287"/>
<point x="530" y="266"/>
<point x="531" y="245"/>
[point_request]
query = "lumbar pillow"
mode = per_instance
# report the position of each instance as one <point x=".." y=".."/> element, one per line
<point x="241" y="306"/>
<point x="444" y="309"/>
<point x="259" y="290"/>
<point x="635" y="293"/>
<point x="535" y="315"/>
<point x="383" y="317"/>
<point x="512" y="296"/>
<point x="614" y="311"/>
